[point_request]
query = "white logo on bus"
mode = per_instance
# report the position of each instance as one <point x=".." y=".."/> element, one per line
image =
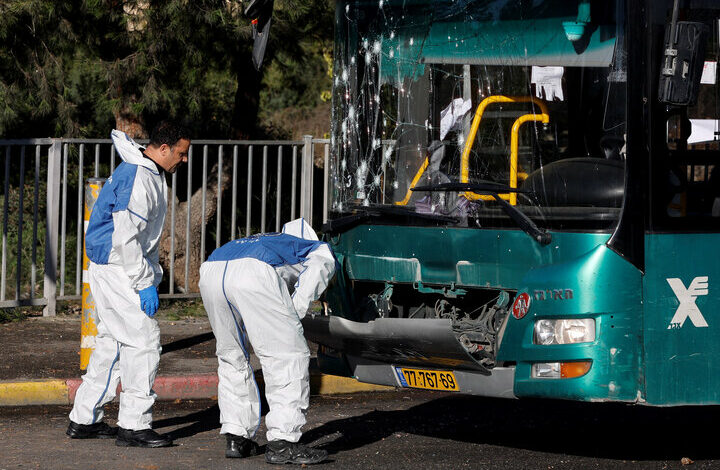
<point x="686" y="297"/>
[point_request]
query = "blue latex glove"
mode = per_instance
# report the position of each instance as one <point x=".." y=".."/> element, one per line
<point x="149" y="301"/>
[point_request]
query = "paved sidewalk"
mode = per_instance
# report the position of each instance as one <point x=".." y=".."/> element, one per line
<point x="40" y="362"/>
<point x="41" y="348"/>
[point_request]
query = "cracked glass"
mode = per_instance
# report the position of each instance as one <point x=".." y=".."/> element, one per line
<point x="526" y="94"/>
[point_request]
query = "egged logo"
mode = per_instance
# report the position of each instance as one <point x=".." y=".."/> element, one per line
<point x="686" y="297"/>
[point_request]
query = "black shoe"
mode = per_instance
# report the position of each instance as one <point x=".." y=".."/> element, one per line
<point x="239" y="447"/>
<point x="142" y="438"/>
<point x="91" y="431"/>
<point x="291" y="452"/>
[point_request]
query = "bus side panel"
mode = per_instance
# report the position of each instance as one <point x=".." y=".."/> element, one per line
<point x="682" y="319"/>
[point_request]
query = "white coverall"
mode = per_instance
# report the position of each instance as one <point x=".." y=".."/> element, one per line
<point x="122" y="242"/>
<point x="260" y="288"/>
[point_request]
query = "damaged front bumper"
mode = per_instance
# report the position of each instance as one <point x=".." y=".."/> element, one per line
<point x="373" y="349"/>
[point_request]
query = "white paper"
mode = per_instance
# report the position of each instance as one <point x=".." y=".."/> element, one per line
<point x="709" y="73"/>
<point x="548" y="82"/>
<point x="703" y="130"/>
<point x="450" y="116"/>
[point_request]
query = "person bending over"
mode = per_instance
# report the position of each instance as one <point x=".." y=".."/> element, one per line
<point x="259" y="288"/>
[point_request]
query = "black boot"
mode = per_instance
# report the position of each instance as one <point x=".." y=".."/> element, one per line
<point x="291" y="452"/>
<point x="240" y="447"/>
<point x="91" y="431"/>
<point x="142" y="438"/>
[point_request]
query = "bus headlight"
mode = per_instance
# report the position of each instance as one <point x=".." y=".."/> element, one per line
<point x="568" y="331"/>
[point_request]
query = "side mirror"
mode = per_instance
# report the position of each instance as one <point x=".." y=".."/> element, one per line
<point x="683" y="63"/>
<point x="256" y="8"/>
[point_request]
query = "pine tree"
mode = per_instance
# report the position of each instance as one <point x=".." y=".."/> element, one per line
<point x="79" y="67"/>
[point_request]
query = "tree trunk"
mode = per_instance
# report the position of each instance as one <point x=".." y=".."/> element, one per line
<point x="197" y="221"/>
<point x="130" y="123"/>
<point x="247" y="99"/>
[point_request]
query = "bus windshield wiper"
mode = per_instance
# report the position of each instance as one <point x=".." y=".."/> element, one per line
<point x="493" y="189"/>
<point x="363" y="213"/>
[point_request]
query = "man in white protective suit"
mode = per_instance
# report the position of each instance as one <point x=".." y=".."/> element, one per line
<point x="260" y="288"/>
<point x="122" y="242"/>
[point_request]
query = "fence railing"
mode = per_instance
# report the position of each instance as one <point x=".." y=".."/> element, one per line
<point x="227" y="190"/>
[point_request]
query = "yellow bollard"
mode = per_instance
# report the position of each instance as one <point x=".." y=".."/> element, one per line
<point x="88" y="324"/>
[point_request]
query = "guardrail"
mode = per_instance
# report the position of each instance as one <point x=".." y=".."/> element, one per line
<point x="43" y="198"/>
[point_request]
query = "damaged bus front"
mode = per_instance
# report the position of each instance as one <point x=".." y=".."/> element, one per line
<point x="486" y="211"/>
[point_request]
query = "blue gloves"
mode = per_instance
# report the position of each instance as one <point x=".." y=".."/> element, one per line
<point x="149" y="301"/>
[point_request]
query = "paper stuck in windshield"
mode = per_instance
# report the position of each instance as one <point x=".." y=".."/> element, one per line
<point x="548" y="82"/>
<point x="450" y="116"/>
<point x="703" y="130"/>
<point x="709" y="73"/>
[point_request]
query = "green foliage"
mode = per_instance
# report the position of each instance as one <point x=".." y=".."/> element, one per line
<point x="180" y="309"/>
<point x="78" y="67"/>
<point x="12" y="314"/>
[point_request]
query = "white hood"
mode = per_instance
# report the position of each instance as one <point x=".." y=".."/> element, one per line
<point x="299" y="228"/>
<point x="130" y="151"/>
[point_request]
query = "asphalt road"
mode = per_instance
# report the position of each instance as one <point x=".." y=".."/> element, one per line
<point x="395" y="430"/>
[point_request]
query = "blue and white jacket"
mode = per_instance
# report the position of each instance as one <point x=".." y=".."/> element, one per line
<point x="305" y="264"/>
<point x="127" y="219"/>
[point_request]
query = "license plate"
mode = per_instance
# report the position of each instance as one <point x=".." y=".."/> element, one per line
<point x="428" y="379"/>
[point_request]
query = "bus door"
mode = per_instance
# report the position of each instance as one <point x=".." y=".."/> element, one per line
<point x="682" y="247"/>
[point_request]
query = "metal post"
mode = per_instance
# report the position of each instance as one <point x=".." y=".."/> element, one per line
<point x="233" y="211"/>
<point x="173" y="197"/>
<point x="187" y="220"/>
<point x="36" y="210"/>
<point x="6" y="215"/>
<point x="63" y="219"/>
<point x="88" y="321"/>
<point x="279" y="189"/>
<point x="21" y="187"/>
<point x="52" y="217"/>
<point x="306" y="174"/>
<point x="248" y="202"/>
<point x="263" y="189"/>
<point x="97" y="161"/>
<point x="326" y="180"/>
<point x="204" y="202"/>
<point x="79" y="233"/>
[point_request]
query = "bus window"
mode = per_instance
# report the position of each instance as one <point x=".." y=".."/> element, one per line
<point x="691" y="183"/>
<point x="548" y="105"/>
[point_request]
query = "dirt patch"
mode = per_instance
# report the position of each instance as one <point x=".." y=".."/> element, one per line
<point x="39" y="348"/>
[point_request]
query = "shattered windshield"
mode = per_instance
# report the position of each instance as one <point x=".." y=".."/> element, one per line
<point x="529" y="94"/>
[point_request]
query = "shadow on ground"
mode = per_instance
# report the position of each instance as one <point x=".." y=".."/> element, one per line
<point x="599" y="430"/>
<point x="186" y="342"/>
<point x="200" y="421"/>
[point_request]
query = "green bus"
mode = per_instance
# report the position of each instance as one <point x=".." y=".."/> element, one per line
<point x="524" y="200"/>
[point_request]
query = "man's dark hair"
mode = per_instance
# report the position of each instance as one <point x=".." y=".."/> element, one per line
<point x="168" y="132"/>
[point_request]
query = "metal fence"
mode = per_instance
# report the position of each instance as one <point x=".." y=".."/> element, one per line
<point x="255" y="186"/>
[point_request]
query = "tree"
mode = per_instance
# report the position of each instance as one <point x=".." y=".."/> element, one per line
<point x="76" y="68"/>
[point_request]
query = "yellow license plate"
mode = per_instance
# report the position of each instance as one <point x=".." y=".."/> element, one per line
<point x="428" y="379"/>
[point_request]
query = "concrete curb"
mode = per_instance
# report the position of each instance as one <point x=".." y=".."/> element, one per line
<point x="62" y="391"/>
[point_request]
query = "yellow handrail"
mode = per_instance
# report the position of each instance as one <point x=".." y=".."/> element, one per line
<point x="464" y="165"/>
<point x="514" y="145"/>
<point x="413" y="183"/>
<point x="465" y="159"/>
